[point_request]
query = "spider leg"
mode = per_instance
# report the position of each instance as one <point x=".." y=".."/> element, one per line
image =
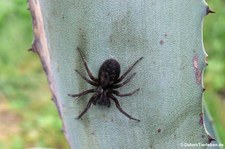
<point x="125" y="82"/>
<point x="129" y="69"/>
<point x="82" y="93"/>
<point x="120" y="109"/>
<point x="86" y="67"/>
<point x="123" y="95"/>
<point x="87" y="106"/>
<point x="86" y="79"/>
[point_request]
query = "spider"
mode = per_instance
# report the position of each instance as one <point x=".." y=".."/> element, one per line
<point x="108" y="80"/>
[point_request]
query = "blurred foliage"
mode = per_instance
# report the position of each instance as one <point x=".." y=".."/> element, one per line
<point x="214" y="77"/>
<point x="28" y="116"/>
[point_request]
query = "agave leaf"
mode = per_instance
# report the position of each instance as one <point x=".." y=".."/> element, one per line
<point x="169" y="36"/>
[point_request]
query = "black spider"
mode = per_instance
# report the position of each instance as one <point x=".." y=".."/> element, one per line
<point x="108" y="80"/>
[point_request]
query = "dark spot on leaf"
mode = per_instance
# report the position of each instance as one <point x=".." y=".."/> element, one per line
<point x="201" y="119"/>
<point x="159" y="130"/>
<point x="198" y="73"/>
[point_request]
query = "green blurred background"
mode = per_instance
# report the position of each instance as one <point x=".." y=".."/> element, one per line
<point x="28" y="117"/>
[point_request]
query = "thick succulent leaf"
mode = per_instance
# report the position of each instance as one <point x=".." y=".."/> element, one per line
<point x="168" y="34"/>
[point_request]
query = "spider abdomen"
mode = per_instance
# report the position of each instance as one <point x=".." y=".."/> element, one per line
<point x="108" y="73"/>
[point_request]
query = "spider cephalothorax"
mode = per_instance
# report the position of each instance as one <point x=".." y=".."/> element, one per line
<point x="108" y="81"/>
